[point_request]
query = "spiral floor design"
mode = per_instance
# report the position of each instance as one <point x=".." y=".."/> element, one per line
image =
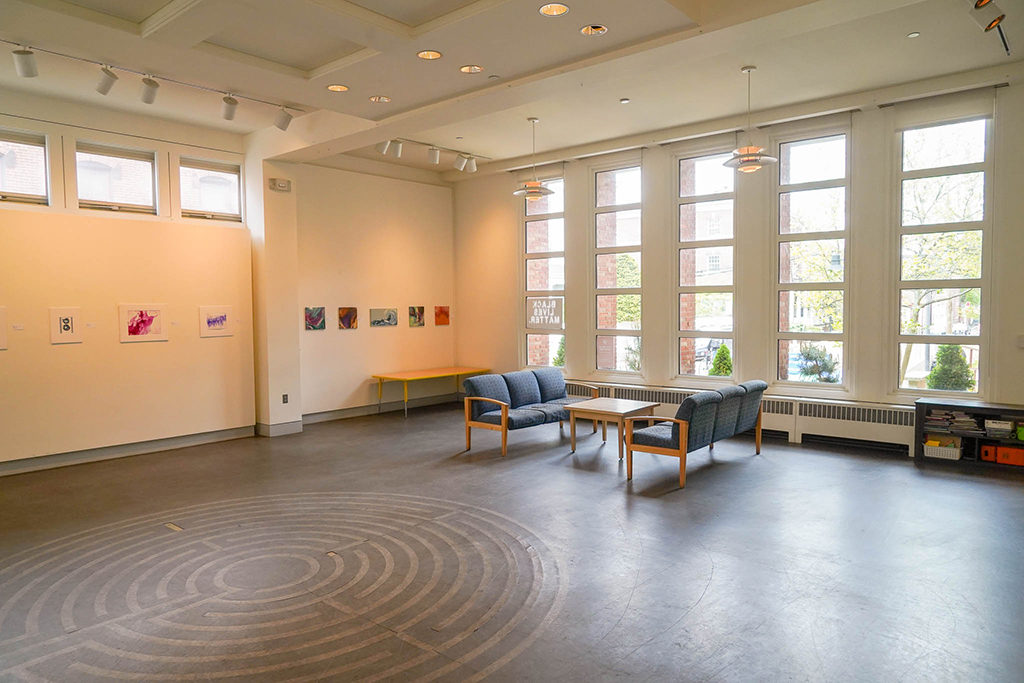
<point x="281" y="587"/>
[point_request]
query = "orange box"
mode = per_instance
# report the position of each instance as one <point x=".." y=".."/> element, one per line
<point x="1009" y="455"/>
<point x="988" y="453"/>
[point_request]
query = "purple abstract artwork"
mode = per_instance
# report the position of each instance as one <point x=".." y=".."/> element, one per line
<point x="216" y="322"/>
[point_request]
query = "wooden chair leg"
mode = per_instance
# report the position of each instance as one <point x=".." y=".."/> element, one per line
<point x="682" y="471"/>
<point x="757" y="432"/>
<point x="561" y="424"/>
<point x="504" y="441"/>
<point x="711" y="446"/>
<point x="468" y="440"/>
<point x="629" y="463"/>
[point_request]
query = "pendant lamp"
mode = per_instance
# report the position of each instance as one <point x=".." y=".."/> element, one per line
<point x="749" y="158"/>
<point x="532" y="190"/>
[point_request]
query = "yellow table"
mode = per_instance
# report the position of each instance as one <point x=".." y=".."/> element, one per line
<point x="412" y="375"/>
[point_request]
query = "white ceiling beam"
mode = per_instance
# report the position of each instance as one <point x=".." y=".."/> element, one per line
<point x="371" y="22"/>
<point x="186" y="23"/>
<point x="456" y="16"/>
<point x="325" y="70"/>
<point x="84" y="14"/>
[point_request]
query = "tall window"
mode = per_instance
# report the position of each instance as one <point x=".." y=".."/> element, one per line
<point x="545" y="277"/>
<point x="110" y="178"/>
<point x="617" y="262"/>
<point x="705" y="266"/>
<point x="209" y="190"/>
<point x="23" y="168"/>
<point x="811" y="285"/>
<point x="943" y="215"/>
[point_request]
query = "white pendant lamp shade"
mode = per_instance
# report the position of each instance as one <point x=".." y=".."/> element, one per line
<point x="533" y="190"/>
<point x="283" y="119"/>
<point x="149" y="88"/>
<point x="25" y="63"/>
<point x="107" y="80"/>
<point x="228" y="107"/>
<point x="471" y="165"/>
<point x="460" y="162"/>
<point x="749" y="158"/>
<point x="434" y="155"/>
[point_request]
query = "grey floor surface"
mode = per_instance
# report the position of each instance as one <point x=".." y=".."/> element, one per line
<point x="374" y="549"/>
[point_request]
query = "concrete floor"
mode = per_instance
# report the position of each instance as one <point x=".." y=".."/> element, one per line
<point x="372" y="548"/>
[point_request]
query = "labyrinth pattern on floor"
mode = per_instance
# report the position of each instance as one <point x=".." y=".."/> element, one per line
<point x="298" y="587"/>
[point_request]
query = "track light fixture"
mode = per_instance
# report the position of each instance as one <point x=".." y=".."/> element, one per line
<point x="283" y="119"/>
<point x="471" y="165"/>
<point x="149" y="88"/>
<point x="532" y="190"/>
<point x="986" y="14"/>
<point x="434" y="155"/>
<point x="227" y="110"/>
<point x="383" y="147"/>
<point x="396" y="148"/>
<point x="460" y="162"/>
<point x="25" y="63"/>
<point x="107" y="80"/>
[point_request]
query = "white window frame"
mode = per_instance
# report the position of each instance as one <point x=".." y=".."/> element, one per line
<point x="983" y="283"/>
<point x="679" y="202"/>
<point x="123" y="153"/>
<point x="633" y="161"/>
<point x="778" y="188"/>
<point x="35" y="140"/>
<point x="526" y="256"/>
<point x="207" y="165"/>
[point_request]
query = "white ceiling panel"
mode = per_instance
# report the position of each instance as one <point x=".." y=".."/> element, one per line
<point x="413" y="13"/>
<point x="131" y="10"/>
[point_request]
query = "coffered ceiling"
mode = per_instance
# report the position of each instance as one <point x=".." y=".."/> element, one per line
<point x="677" y="60"/>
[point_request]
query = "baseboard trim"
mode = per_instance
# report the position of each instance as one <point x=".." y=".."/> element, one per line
<point x="279" y="429"/>
<point x="386" y="407"/>
<point x="46" y="462"/>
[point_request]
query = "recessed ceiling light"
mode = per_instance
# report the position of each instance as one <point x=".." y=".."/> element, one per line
<point x="914" y="34"/>
<point x="471" y="69"/>
<point x="493" y="77"/>
<point x="553" y="9"/>
<point x="337" y="87"/>
<point x="428" y="54"/>
<point x="380" y="99"/>
<point x="624" y="100"/>
<point x="594" y="30"/>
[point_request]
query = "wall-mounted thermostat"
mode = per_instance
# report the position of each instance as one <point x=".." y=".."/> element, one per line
<point x="280" y="185"/>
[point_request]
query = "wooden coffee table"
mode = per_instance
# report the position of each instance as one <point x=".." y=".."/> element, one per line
<point x="607" y="410"/>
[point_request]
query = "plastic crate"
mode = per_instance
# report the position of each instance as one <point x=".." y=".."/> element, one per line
<point x="942" y="452"/>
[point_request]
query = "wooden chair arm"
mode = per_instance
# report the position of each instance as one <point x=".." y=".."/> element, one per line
<point x="489" y="400"/>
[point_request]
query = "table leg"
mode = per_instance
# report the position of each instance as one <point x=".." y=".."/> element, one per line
<point x="380" y="392"/>
<point x="572" y="431"/>
<point x="405" y="396"/>
<point x="604" y="431"/>
<point x="620" y="436"/>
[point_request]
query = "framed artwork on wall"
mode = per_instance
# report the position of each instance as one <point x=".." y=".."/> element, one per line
<point x="65" y="325"/>
<point x="142" y="323"/>
<point x="216" y="321"/>
<point x="416" y="316"/>
<point x="348" y="318"/>
<point x="383" y="317"/>
<point x="315" y="318"/>
<point x="442" y="315"/>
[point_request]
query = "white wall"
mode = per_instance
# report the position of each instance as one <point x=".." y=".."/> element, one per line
<point x="368" y="241"/>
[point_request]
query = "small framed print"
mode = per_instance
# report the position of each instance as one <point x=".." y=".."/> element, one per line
<point x="142" y="323"/>
<point x="216" y="321"/>
<point x="65" y="326"/>
<point x="315" y="318"/>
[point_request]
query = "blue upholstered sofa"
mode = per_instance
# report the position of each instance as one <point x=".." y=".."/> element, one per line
<point x="516" y="400"/>
<point x="702" y="419"/>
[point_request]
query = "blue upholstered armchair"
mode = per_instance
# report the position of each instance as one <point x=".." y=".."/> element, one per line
<point x="702" y="419"/>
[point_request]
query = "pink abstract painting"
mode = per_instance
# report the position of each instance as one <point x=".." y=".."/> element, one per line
<point x="142" y="323"/>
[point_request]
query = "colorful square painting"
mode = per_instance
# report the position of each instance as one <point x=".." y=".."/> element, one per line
<point x="383" y="317"/>
<point x="216" y="321"/>
<point x="416" y="316"/>
<point x="65" y="326"/>
<point x="348" y="318"/>
<point x="316" y="318"/>
<point x="441" y="315"/>
<point x="142" y="323"/>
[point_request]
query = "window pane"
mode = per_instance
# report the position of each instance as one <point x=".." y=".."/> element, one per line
<point x="820" y="362"/>
<point x="618" y="353"/>
<point x="949" y="145"/>
<point x="22" y="168"/>
<point x="942" y="367"/>
<point x="705" y="266"/>
<point x="545" y="350"/>
<point x="807" y="161"/>
<point x="940" y="311"/>
<point x="114" y="179"/>
<point x="705" y="357"/>
<point x="811" y="261"/>
<point x="941" y="256"/>
<point x="705" y="175"/>
<point x="546" y="235"/>
<point x="545" y="312"/>
<point x="618" y="312"/>
<point x="812" y="210"/>
<point x="705" y="311"/>
<point x="944" y="199"/>
<point x="618" y="228"/>
<point x="621" y="186"/>
<point x="552" y="203"/>
<point x="811" y="311"/>
<point x="706" y="220"/>
<point x="618" y="271"/>
<point x="545" y="274"/>
<point x="206" y="190"/>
